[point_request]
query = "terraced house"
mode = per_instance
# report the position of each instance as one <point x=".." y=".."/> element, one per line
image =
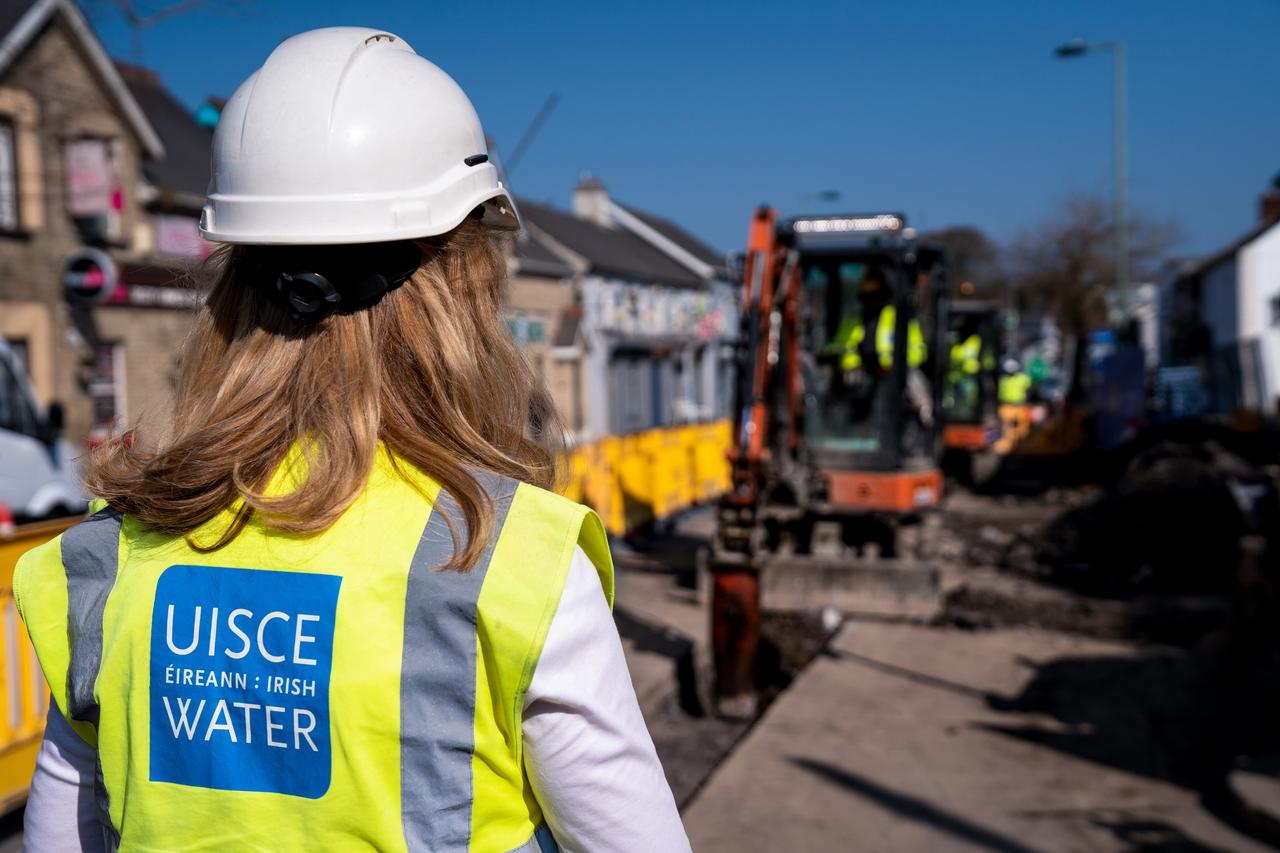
<point x="102" y="174"/>
<point x="644" y="343"/>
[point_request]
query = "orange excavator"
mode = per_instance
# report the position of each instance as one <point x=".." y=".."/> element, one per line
<point x="970" y="395"/>
<point x="837" y="432"/>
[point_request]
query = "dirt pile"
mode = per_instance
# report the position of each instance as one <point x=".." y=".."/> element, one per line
<point x="1171" y="524"/>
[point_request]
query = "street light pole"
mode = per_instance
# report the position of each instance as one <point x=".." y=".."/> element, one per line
<point x="1120" y="155"/>
<point x="1121" y="178"/>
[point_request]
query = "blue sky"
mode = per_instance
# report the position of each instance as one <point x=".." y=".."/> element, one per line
<point x="952" y="112"/>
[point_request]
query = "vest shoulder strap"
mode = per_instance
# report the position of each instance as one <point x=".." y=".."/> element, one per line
<point x="521" y="595"/>
<point x="61" y="590"/>
<point x="528" y="571"/>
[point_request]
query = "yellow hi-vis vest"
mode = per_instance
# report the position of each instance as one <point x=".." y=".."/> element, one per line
<point x="966" y="354"/>
<point x="326" y="692"/>
<point x="1013" y="388"/>
<point x="850" y="335"/>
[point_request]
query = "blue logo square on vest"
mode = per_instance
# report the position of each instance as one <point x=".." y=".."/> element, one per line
<point x="240" y="666"/>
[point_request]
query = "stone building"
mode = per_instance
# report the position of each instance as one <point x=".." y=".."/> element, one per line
<point x="542" y="290"/>
<point x="101" y="176"/>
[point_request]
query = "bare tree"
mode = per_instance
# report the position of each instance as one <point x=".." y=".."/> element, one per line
<point x="140" y="14"/>
<point x="974" y="259"/>
<point x="1065" y="265"/>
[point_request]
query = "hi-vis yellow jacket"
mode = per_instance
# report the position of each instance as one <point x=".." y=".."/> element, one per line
<point x="327" y="692"/>
<point x="849" y="336"/>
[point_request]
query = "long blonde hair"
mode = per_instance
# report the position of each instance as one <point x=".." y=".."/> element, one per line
<point x="430" y="370"/>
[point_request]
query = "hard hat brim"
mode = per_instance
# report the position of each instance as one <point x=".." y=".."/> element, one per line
<point x="351" y="219"/>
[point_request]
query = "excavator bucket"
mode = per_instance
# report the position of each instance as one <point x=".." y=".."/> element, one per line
<point x="876" y="587"/>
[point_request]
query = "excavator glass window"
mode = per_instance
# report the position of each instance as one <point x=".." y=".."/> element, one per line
<point x="846" y="395"/>
<point x="973" y="347"/>
<point x="864" y="395"/>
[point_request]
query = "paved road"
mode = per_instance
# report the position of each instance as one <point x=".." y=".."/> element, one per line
<point x="909" y="738"/>
<point x="11" y="833"/>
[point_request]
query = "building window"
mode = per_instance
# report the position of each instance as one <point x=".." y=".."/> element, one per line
<point x="21" y="354"/>
<point x="15" y="410"/>
<point x="95" y="188"/>
<point x="535" y="332"/>
<point x="179" y="237"/>
<point x="526" y="330"/>
<point x="106" y="390"/>
<point x="1275" y="310"/>
<point x="8" y="178"/>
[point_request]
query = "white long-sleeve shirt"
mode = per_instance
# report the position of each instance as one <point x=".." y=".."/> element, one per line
<point x="587" y="751"/>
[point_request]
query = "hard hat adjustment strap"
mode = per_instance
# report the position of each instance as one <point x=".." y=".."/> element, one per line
<point x="308" y="296"/>
<point x="353" y="277"/>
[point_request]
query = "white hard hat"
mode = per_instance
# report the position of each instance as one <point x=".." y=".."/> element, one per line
<point x="345" y="135"/>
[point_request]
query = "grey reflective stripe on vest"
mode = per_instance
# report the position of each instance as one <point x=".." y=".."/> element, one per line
<point x="438" y="678"/>
<point x="91" y="559"/>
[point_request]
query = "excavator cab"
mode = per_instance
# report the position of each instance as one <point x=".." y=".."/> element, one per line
<point x="840" y="375"/>
<point x="870" y="367"/>
<point x="970" y="398"/>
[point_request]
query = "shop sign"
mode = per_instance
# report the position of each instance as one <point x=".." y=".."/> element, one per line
<point x="152" y="296"/>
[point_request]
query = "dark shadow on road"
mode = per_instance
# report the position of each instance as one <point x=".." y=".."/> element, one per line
<point x="1173" y="715"/>
<point x="671" y="553"/>
<point x="661" y="640"/>
<point x="11" y="829"/>
<point x="1166" y="714"/>
<point x="913" y="808"/>
<point x="911" y="674"/>
<point x="1137" y="833"/>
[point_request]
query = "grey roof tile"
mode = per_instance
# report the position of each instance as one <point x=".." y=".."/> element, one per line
<point x="188" y="146"/>
<point x="11" y="11"/>
<point x="682" y="238"/>
<point x="608" y="251"/>
<point x="535" y="258"/>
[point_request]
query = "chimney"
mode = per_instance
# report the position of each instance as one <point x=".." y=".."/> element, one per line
<point x="208" y="113"/>
<point x="591" y="201"/>
<point x="1269" y="204"/>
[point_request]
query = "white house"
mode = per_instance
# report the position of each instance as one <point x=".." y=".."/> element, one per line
<point x="1222" y="315"/>
<point x="656" y="311"/>
<point x="1258" y="289"/>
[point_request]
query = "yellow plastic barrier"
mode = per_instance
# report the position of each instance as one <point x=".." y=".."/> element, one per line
<point x="668" y="457"/>
<point x="710" y="463"/>
<point x="634" y="473"/>
<point x="601" y="489"/>
<point x="631" y="480"/>
<point x="574" y="474"/>
<point x="24" y="698"/>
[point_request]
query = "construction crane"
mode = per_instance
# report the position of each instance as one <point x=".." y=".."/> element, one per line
<point x="837" y="422"/>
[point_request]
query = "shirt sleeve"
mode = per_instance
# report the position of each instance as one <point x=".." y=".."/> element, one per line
<point x="587" y="751"/>
<point x="61" y="815"/>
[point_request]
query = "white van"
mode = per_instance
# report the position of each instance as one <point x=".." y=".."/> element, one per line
<point x="39" y="474"/>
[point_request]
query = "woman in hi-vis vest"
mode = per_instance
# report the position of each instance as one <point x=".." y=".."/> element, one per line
<point x="332" y="605"/>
